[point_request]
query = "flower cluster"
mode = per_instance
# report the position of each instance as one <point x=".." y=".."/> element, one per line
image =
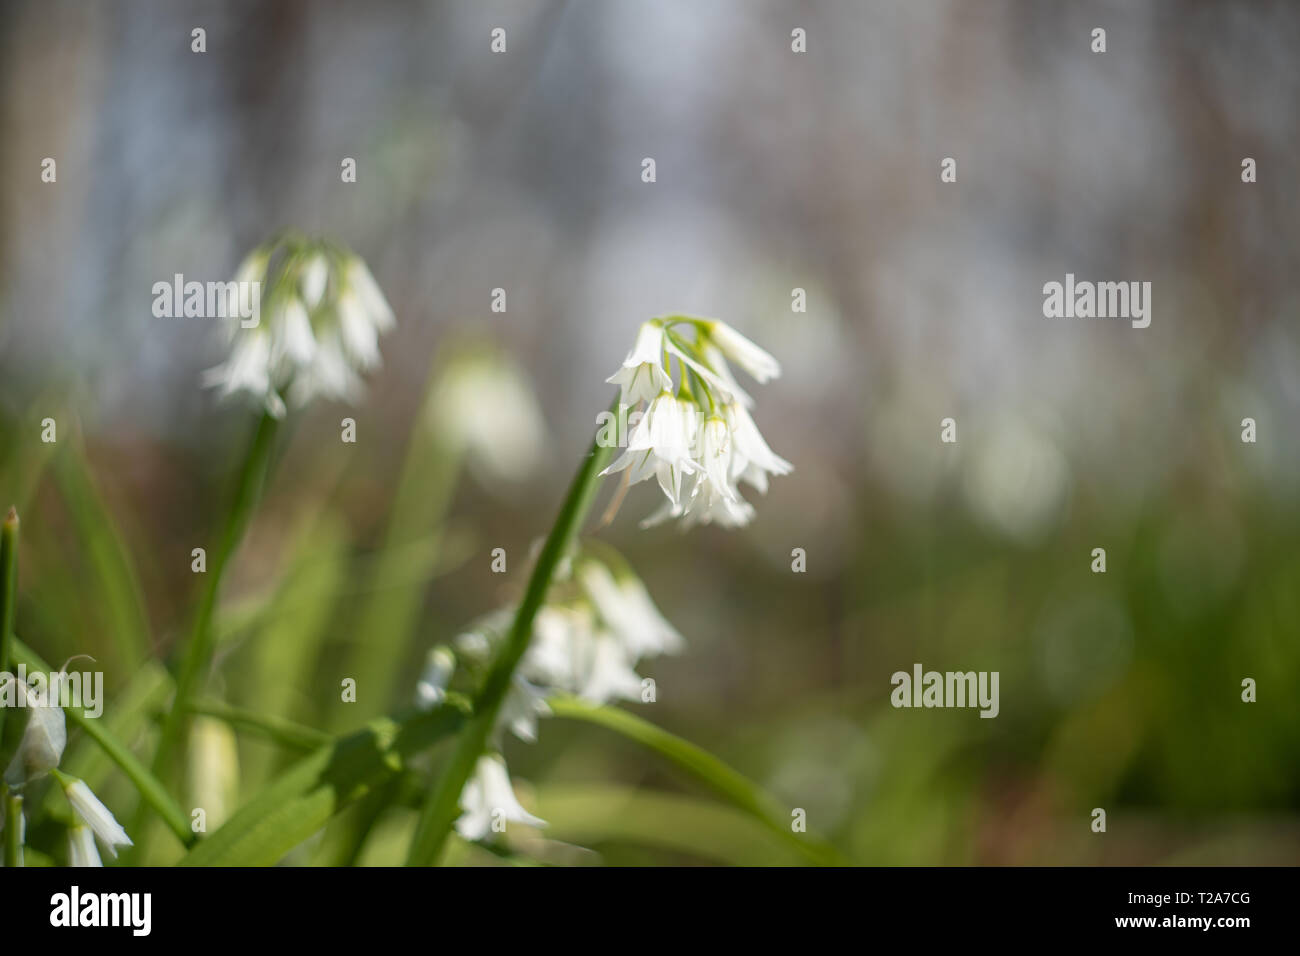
<point x="702" y="429"/>
<point x="321" y="317"/>
<point x="587" y="640"/>
<point x="39" y="752"/>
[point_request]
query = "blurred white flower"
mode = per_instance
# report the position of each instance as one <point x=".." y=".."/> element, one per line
<point x="629" y="612"/>
<point x="489" y="798"/>
<point x="606" y="673"/>
<point x="524" y="703"/>
<point x="484" y="405"/>
<point x="94" y="814"/>
<point x="322" y="315"/>
<point x="431" y="689"/>
<point x="586" y="641"/>
<point x="81" y="847"/>
<point x="705" y="429"/>
<point x="1019" y="481"/>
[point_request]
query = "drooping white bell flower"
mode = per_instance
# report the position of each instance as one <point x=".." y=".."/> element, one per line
<point x="605" y="673"/>
<point x="629" y="613"/>
<point x="660" y="445"/>
<point x="756" y="361"/>
<point x="488" y="798"/>
<point x="751" y="458"/>
<point x="642" y="375"/>
<point x="320" y="318"/>
<point x="484" y="405"/>
<point x="431" y="689"/>
<point x="44" y="738"/>
<point x="81" y="847"/>
<point x="93" y="813"/>
<point x="524" y="703"/>
<point x="705" y="429"/>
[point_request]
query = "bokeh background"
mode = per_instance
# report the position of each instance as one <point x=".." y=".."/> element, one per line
<point x="775" y="170"/>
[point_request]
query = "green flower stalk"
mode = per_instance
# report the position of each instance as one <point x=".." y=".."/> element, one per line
<point x="325" y="314"/>
<point x="442" y="808"/>
<point x="197" y="656"/>
<point x="702" y="431"/>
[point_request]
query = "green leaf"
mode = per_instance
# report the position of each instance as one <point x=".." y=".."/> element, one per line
<point x="304" y="798"/>
<point x="591" y="815"/>
<point x="113" y="581"/>
<point x="286" y="733"/>
<point x="703" y="766"/>
<point x="399" y="579"/>
<point x="442" y="806"/>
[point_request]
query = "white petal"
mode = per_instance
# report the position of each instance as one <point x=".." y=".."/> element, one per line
<point x="359" y="335"/>
<point x="97" y="816"/>
<point x="488" y="794"/>
<point x="81" y="847"/>
<point x="372" y="299"/>
<point x="431" y="689"/>
<point x="315" y="275"/>
<point x="295" y="339"/>
<point x="754" y="360"/>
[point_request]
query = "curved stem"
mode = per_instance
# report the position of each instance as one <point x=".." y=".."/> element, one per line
<point x="442" y="807"/>
<point x="198" y="652"/>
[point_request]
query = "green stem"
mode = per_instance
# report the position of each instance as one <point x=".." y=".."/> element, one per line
<point x="8" y="596"/>
<point x="442" y="807"/>
<point x="198" y="653"/>
<point x="286" y="733"/>
<point x="13" y="828"/>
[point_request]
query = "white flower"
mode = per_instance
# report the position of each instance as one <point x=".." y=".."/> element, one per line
<point x="44" y="737"/>
<point x="323" y="318"/>
<point x="630" y="614"/>
<point x="722" y="382"/>
<point x="606" y="674"/>
<point x="709" y="506"/>
<point x="488" y="798"/>
<point x="431" y="689"/>
<point x="357" y="276"/>
<point x="752" y="460"/>
<point x="81" y="847"/>
<point x="754" y="360"/>
<point x="315" y="275"/>
<point x="642" y="375"/>
<point x="484" y="405"/>
<point x="705" y="429"/>
<point x="95" y="815"/>
<point x="573" y="652"/>
<point x="523" y="704"/>
<point x="715" y="456"/>
<point x="661" y="445"/>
